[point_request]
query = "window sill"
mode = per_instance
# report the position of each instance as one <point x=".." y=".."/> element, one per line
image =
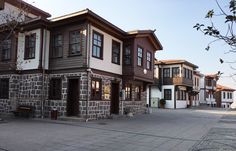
<point x="74" y="55"/>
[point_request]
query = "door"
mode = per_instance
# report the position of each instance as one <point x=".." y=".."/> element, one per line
<point x="73" y="97"/>
<point x="115" y="98"/>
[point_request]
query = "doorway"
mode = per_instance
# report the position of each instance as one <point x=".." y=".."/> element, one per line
<point x="73" y="97"/>
<point x="115" y="98"/>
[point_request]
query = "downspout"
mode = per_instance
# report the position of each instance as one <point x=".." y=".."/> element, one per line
<point x="41" y="66"/>
<point x="88" y="67"/>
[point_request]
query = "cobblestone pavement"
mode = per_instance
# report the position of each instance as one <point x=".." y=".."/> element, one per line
<point x="163" y="130"/>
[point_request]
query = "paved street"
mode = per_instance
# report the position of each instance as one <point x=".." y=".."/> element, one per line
<point x="163" y="130"/>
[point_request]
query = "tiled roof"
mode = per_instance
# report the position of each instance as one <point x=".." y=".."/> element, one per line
<point x="175" y="61"/>
<point x="224" y="88"/>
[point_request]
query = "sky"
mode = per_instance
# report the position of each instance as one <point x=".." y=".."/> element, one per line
<point x="173" y="21"/>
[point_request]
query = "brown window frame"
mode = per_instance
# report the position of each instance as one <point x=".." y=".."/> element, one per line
<point x="139" y="56"/>
<point x="137" y="95"/>
<point x="94" y="95"/>
<point x="30" y="46"/>
<point x="128" y="92"/>
<point x="175" y="72"/>
<point x="127" y="55"/>
<point x="74" y="42"/>
<point x="116" y="52"/>
<point x="4" y="88"/>
<point x="95" y="44"/>
<point x="167" y="94"/>
<point x="149" y="60"/>
<point x="55" y="88"/>
<point x="57" y="46"/>
<point x="166" y="74"/>
<point x="6" y="49"/>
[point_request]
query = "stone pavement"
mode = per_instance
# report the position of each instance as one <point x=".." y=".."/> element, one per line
<point x="163" y="130"/>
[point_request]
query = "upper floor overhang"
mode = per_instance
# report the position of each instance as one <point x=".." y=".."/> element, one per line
<point x="174" y="62"/>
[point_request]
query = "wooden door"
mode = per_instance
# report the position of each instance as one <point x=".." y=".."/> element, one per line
<point x="73" y="97"/>
<point x="115" y="98"/>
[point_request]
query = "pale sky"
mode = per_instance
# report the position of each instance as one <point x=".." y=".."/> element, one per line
<point x="173" y="21"/>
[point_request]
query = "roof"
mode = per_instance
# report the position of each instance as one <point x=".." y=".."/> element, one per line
<point x="224" y="88"/>
<point x="148" y="33"/>
<point x="34" y="10"/>
<point x="170" y="62"/>
<point x="99" y="20"/>
<point x="212" y="76"/>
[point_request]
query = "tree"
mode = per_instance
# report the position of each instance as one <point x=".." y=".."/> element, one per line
<point x="227" y="36"/>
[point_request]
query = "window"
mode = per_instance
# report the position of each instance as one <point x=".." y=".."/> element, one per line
<point x="181" y="95"/>
<point x="128" y="91"/>
<point x="4" y="88"/>
<point x="228" y="95"/>
<point x="166" y="72"/>
<point x="97" y="45"/>
<point x="127" y="56"/>
<point x="96" y="91"/>
<point x="137" y="95"/>
<point x="223" y="95"/>
<point x="30" y="43"/>
<point x="115" y="52"/>
<point x="140" y="56"/>
<point x="75" y="43"/>
<point x="57" y="45"/>
<point x="167" y="94"/>
<point x="175" y="72"/>
<point x="55" y="89"/>
<point x="149" y="58"/>
<point x="6" y="50"/>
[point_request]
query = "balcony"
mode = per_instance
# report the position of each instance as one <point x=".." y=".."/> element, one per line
<point x="178" y="81"/>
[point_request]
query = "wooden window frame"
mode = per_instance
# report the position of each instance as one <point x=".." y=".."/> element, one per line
<point x="114" y="53"/>
<point x="128" y="92"/>
<point x="97" y="46"/>
<point x="95" y="96"/>
<point x="165" y="73"/>
<point x="175" y="72"/>
<point x="6" y="50"/>
<point x="139" y="56"/>
<point x="56" y="46"/>
<point x="167" y="94"/>
<point x="149" y="60"/>
<point x="4" y="88"/>
<point x="71" y="43"/>
<point x="127" y="56"/>
<point x="137" y="91"/>
<point x="55" y="89"/>
<point x="30" y="50"/>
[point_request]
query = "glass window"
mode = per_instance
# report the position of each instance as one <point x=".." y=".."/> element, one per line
<point x="128" y="91"/>
<point x="140" y="56"/>
<point x="30" y="44"/>
<point x="6" y="50"/>
<point x="137" y="95"/>
<point x="57" y="45"/>
<point x="75" y="43"/>
<point x="97" y="45"/>
<point x="96" y="91"/>
<point x="166" y="72"/>
<point x="167" y="94"/>
<point x="115" y="52"/>
<point x="149" y="62"/>
<point x="55" y="87"/>
<point x="4" y="88"/>
<point x="127" y="56"/>
<point x="175" y="72"/>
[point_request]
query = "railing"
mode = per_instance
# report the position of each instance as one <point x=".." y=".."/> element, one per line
<point x="178" y="81"/>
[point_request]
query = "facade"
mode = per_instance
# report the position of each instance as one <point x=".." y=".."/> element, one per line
<point x="207" y="89"/>
<point x="175" y="81"/>
<point x="224" y="96"/>
<point x="80" y="64"/>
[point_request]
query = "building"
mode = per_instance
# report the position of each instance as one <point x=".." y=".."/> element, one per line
<point x="80" y="64"/>
<point x="207" y="89"/>
<point x="224" y="96"/>
<point x="195" y="97"/>
<point x="174" y="83"/>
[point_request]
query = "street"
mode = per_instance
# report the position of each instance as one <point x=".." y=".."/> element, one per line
<point x="162" y="130"/>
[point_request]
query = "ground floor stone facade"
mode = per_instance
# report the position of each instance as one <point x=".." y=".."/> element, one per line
<point x="33" y="90"/>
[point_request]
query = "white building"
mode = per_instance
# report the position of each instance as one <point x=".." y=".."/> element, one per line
<point x="224" y="96"/>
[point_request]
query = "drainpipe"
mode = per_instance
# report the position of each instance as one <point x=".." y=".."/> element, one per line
<point x="88" y="69"/>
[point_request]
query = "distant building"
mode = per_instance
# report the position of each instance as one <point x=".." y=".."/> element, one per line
<point x="224" y="96"/>
<point x="174" y="82"/>
<point x="207" y="89"/>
